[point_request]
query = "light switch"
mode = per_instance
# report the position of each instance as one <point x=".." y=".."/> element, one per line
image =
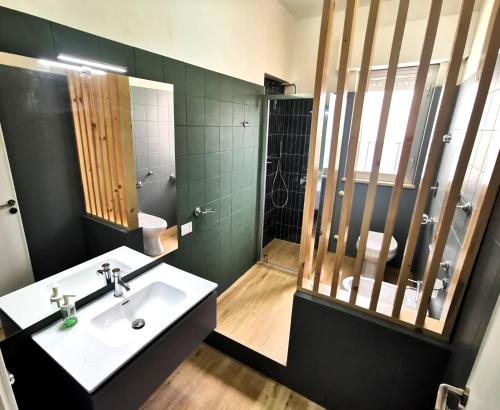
<point x="186" y="228"/>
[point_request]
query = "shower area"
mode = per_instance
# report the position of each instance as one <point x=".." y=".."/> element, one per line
<point x="288" y="130"/>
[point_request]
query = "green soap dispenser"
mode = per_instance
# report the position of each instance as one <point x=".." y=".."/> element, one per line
<point x="68" y="311"/>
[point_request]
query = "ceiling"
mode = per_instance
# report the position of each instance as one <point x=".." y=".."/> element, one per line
<point x="302" y="9"/>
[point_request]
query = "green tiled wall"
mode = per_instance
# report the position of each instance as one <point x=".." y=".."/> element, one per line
<point x="216" y="156"/>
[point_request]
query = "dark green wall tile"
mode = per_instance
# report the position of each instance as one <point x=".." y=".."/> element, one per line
<point x="75" y="42"/>
<point x="240" y="94"/>
<point x="248" y="137"/>
<point x="148" y="65"/>
<point x="236" y="181"/>
<point x="226" y="113"/>
<point x="226" y="162"/>
<point x="182" y="197"/>
<point x="211" y="112"/>
<point x="195" y="140"/>
<point x="196" y="167"/>
<point x="196" y="194"/>
<point x="212" y="139"/>
<point x="180" y="141"/>
<point x="227" y="89"/>
<point x="238" y="114"/>
<point x="252" y="115"/>
<point x="225" y="184"/>
<point x="117" y="53"/>
<point x="225" y="206"/>
<point x="181" y="166"/>
<point x="195" y="114"/>
<point x="237" y="202"/>
<point x="248" y="158"/>
<point x="237" y="160"/>
<point x="212" y="217"/>
<point x="25" y="35"/>
<point x="225" y="236"/>
<point x="226" y="138"/>
<point x="212" y="85"/>
<point x="179" y="108"/>
<point x="212" y="161"/>
<point x="174" y="72"/>
<point x="212" y="188"/>
<point x="195" y="81"/>
<point x="237" y="137"/>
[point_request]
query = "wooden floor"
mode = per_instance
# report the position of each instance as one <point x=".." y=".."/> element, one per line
<point x="168" y="239"/>
<point x="210" y="380"/>
<point x="257" y="310"/>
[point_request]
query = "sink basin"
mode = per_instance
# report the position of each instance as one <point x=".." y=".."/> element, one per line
<point x="111" y="330"/>
<point x="114" y="326"/>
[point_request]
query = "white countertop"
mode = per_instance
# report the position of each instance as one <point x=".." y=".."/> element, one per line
<point x="31" y="303"/>
<point x="103" y="339"/>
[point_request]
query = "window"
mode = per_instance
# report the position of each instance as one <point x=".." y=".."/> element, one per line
<point x="396" y="125"/>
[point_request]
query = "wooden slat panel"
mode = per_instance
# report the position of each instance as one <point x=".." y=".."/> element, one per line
<point x="91" y="145"/>
<point x="450" y="201"/>
<point x="79" y="142"/>
<point x="353" y="141"/>
<point x="110" y="139"/>
<point x="334" y="159"/>
<point x="447" y="96"/>
<point x="379" y="144"/>
<point x="470" y="248"/>
<point x="320" y="87"/>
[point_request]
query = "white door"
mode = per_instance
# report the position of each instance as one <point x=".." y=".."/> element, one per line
<point x="15" y="262"/>
<point x="484" y="380"/>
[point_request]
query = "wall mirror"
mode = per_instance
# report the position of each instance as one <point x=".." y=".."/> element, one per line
<point x="87" y="166"/>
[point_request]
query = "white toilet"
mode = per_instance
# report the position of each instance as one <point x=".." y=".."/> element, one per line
<point x="152" y="227"/>
<point x="373" y="246"/>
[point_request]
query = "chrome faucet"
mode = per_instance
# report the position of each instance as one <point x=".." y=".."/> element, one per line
<point x="105" y="272"/>
<point x="119" y="283"/>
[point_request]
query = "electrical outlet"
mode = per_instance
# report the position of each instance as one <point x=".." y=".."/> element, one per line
<point x="186" y="228"/>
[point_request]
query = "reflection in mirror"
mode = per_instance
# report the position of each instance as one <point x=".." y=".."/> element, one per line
<point x="73" y="154"/>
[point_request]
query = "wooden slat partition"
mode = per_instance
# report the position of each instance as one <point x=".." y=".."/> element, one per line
<point x="450" y="201"/>
<point x="101" y="117"/>
<point x="447" y="96"/>
<point x="336" y="143"/>
<point x="353" y="143"/>
<point x="320" y="88"/>
<point x="379" y="144"/>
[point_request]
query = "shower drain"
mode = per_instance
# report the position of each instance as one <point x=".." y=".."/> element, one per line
<point x="138" y="323"/>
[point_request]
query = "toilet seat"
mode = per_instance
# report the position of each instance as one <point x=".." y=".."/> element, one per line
<point x="150" y="222"/>
<point x="374" y="242"/>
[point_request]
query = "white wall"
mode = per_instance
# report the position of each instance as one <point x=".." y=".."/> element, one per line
<point x="241" y="38"/>
<point x="306" y="35"/>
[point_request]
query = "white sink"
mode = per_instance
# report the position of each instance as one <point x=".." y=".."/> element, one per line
<point x="114" y="326"/>
<point x="104" y="339"/>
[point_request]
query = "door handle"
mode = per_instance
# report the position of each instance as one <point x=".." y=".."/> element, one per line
<point x="9" y="204"/>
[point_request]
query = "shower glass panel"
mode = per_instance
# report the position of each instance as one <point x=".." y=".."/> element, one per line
<point x="289" y="126"/>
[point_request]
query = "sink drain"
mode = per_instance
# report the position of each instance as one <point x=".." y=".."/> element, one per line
<point x="138" y="323"/>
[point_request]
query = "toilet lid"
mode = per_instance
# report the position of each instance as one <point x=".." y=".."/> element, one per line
<point x="374" y="242"/>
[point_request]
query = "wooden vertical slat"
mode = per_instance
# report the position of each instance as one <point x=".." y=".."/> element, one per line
<point x="115" y="119"/>
<point x="127" y="151"/>
<point x="379" y="144"/>
<point x="320" y="88"/>
<point x="470" y="248"/>
<point x="110" y="140"/>
<point x="91" y="146"/>
<point x="450" y="201"/>
<point x="334" y="159"/>
<point x="447" y="96"/>
<point x="79" y="141"/>
<point x="353" y="142"/>
<point x="97" y="135"/>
